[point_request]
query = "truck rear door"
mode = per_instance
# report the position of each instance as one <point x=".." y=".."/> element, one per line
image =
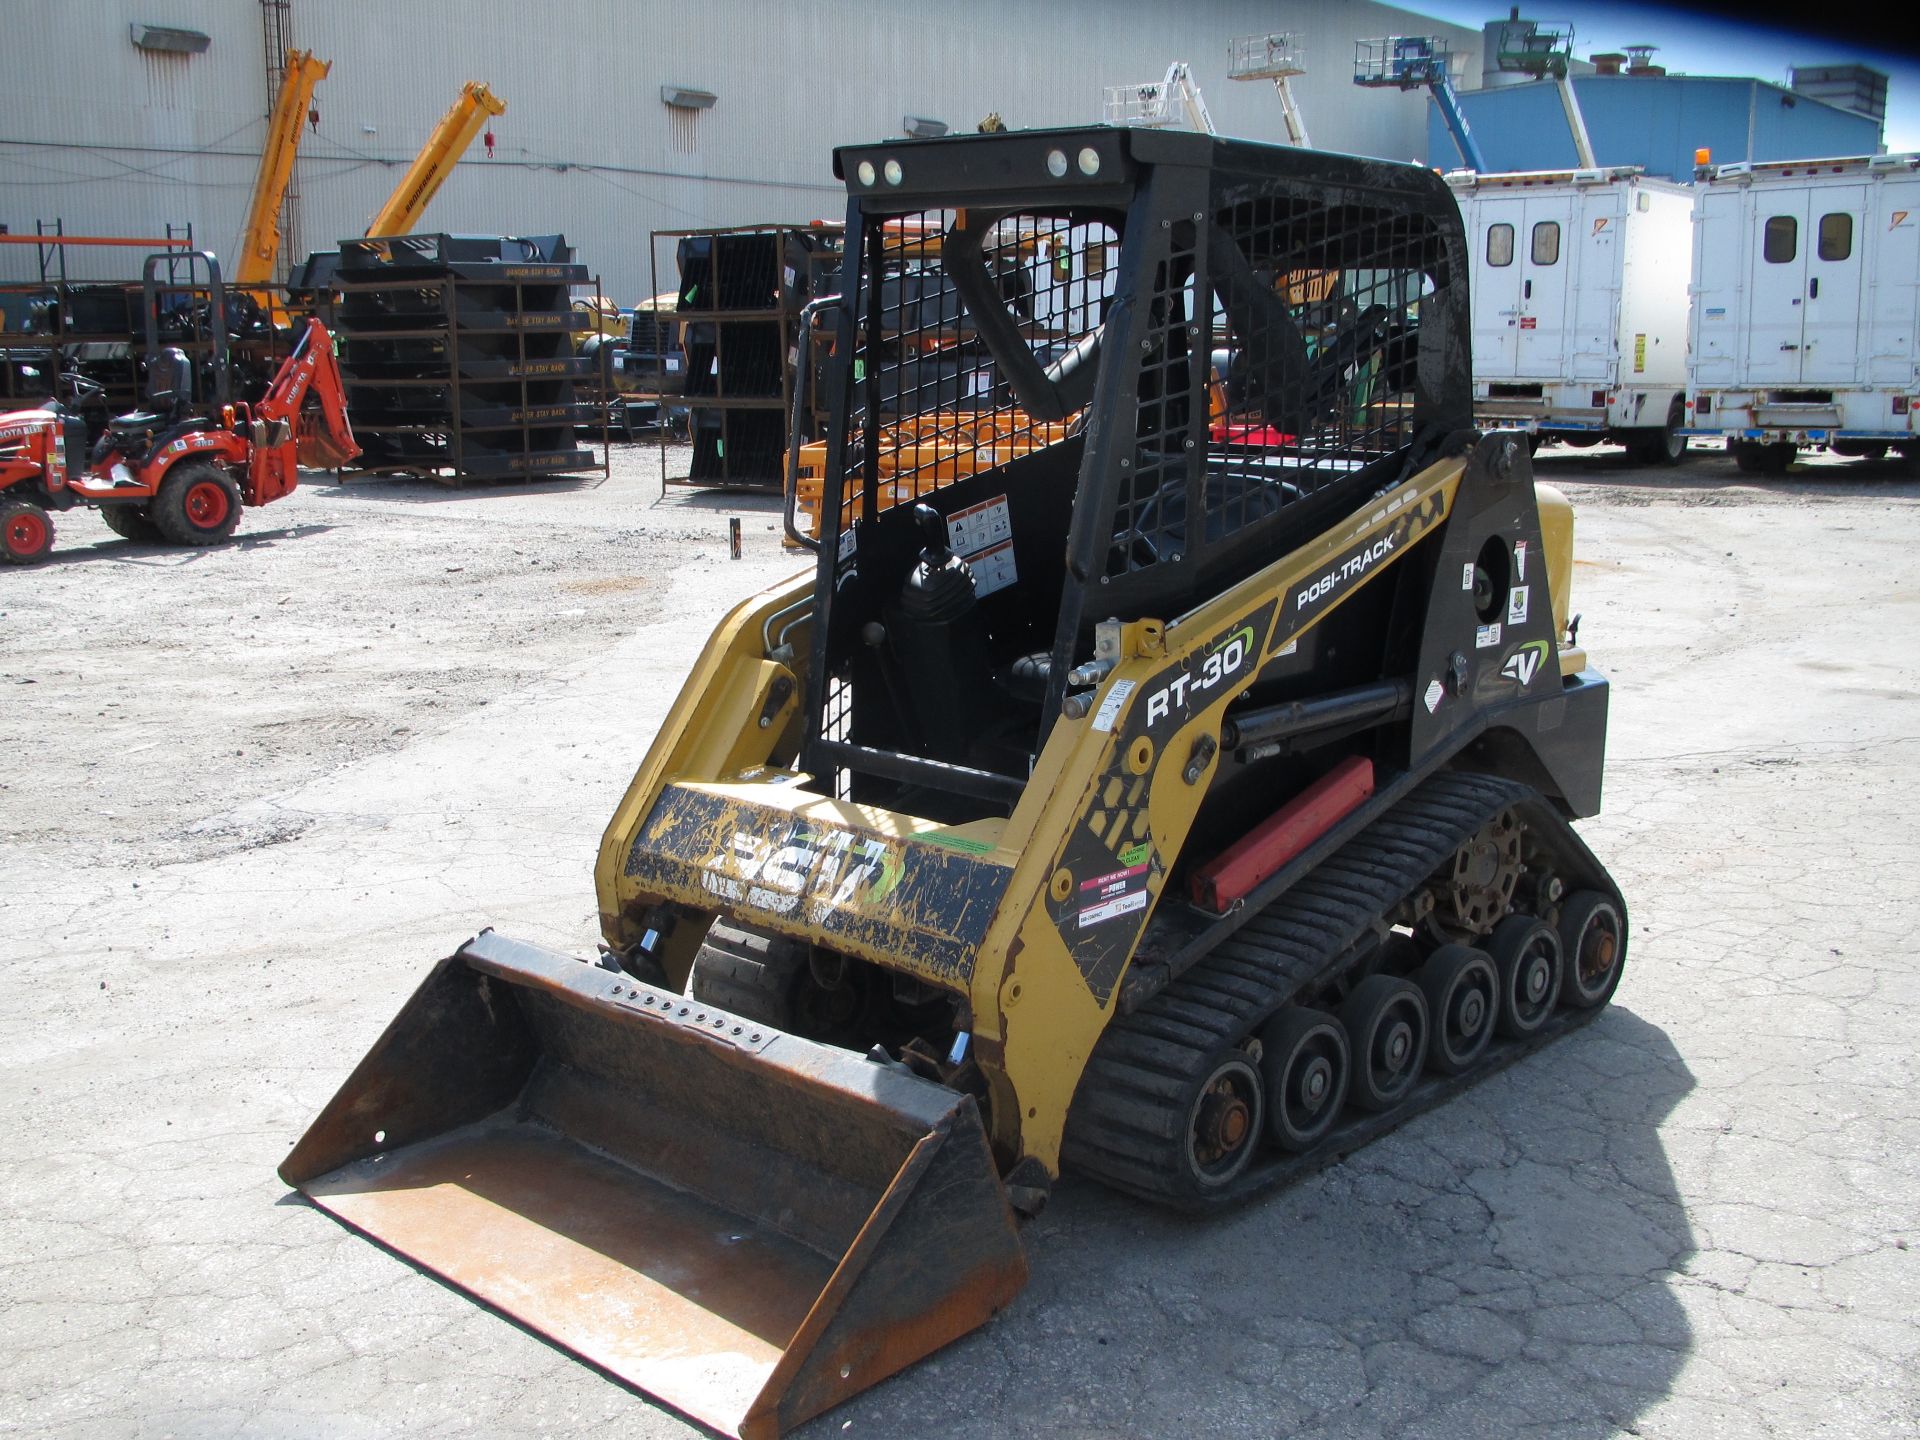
<point x="1498" y="225"/>
<point x="1545" y="260"/>
<point x="1830" y="345"/>
<point x="1777" y="286"/>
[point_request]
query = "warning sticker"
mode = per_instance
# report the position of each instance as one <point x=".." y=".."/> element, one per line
<point x="1110" y="707"/>
<point x="1466" y="576"/>
<point x="1520" y="558"/>
<point x="1517" y="605"/>
<point x="1435" y="691"/>
<point x="979" y="527"/>
<point x="1639" y="354"/>
<point x="1487" y="636"/>
<point x="992" y="569"/>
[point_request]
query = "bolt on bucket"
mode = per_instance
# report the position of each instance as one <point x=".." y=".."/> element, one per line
<point x="746" y="1225"/>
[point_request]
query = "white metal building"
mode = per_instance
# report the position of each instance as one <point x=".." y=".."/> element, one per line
<point x="110" y="138"/>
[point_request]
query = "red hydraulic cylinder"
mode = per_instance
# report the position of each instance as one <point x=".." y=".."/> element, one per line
<point x="1260" y="853"/>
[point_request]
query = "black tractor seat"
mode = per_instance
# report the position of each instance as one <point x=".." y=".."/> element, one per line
<point x="168" y="398"/>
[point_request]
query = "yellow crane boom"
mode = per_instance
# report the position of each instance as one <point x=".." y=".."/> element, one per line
<point x="260" y="241"/>
<point x="436" y="159"/>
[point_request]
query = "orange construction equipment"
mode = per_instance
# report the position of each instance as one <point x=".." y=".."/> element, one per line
<point x="166" y="471"/>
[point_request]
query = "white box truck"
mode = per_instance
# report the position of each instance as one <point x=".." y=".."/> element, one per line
<point x="1579" y="286"/>
<point x="1806" y="294"/>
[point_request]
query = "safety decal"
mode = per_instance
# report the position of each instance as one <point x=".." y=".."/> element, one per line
<point x="993" y="569"/>
<point x="1109" y="710"/>
<point x="1517" y="605"/>
<point x="979" y="527"/>
<point x="1486" y="637"/>
<point x="1466" y="573"/>
<point x="982" y="535"/>
<point x="1519" y="559"/>
<point x="1435" y="693"/>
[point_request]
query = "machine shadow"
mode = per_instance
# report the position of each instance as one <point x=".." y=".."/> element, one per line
<point x="119" y="551"/>
<point x="1707" y="469"/>
<point x="1504" y="1259"/>
<point x="413" y="490"/>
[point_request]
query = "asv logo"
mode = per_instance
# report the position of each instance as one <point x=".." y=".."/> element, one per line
<point x="1524" y="663"/>
<point x="829" y="868"/>
<point x="1221" y="663"/>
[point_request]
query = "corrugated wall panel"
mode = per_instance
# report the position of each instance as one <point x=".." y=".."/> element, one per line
<point x="1656" y="121"/>
<point x="586" y="145"/>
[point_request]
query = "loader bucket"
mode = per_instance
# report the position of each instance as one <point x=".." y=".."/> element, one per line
<point x="746" y="1225"/>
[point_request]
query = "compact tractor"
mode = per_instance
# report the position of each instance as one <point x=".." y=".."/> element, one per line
<point x="170" y="471"/>
<point x="1143" y="787"/>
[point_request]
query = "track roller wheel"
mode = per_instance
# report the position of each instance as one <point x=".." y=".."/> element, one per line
<point x="1526" y="955"/>
<point x="1593" y="936"/>
<point x="1463" y="1000"/>
<point x="26" y="533"/>
<point x="198" y="504"/>
<point x="1223" y="1123"/>
<point x="131" y="522"/>
<point x="1306" y="1064"/>
<point x="1386" y="1024"/>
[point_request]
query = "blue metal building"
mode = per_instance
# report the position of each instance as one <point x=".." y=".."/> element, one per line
<point x="1654" y="121"/>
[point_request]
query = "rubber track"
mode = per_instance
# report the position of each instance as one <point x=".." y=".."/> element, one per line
<point x="1127" y="1127"/>
<point x="746" y="972"/>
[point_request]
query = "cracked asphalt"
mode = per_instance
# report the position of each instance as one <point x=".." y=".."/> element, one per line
<point x="254" y="792"/>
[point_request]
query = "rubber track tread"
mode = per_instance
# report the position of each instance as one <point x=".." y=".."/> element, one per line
<point x="1128" y="1119"/>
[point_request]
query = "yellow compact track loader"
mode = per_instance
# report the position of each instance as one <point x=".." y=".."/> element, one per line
<point x="1163" y="776"/>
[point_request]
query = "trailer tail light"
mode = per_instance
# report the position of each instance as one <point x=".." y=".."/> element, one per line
<point x="1900" y="404"/>
<point x="1599" y="399"/>
<point x="1704" y="405"/>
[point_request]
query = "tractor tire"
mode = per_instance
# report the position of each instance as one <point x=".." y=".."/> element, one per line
<point x="26" y="533"/>
<point x="197" y="505"/>
<point x="131" y="522"/>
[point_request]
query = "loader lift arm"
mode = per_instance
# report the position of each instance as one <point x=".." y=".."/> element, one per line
<point x="260" y="241"/>
<point x="435" y="162"/>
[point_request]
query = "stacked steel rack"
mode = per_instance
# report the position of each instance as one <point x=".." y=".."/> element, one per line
<point x="459" y="358"/>
<point x="741" y="290"/>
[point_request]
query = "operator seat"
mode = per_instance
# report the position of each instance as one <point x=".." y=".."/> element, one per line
<point x="169" y="395"/>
